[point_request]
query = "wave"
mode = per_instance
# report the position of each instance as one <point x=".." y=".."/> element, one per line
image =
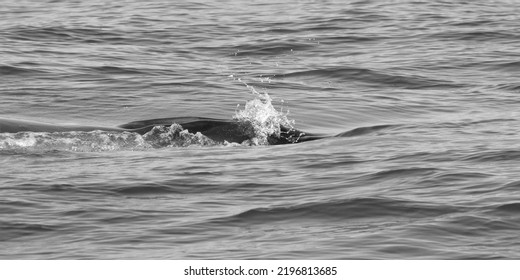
<point x="270" y="48"/>
<point x="513" y="66"/>
<point x="346" y="209"/>
<point x="477" y="224"/>
<point x="64" y="34"/>
<point x="116" y="70"/>
<point x="510" y="208"/>
<point x="6" y="70"/>
<point x="146" y="190"/>
<point x="477" y="36"/>
<point x="11" y="230"/>
<point x="493" y="156"/>
<point x="353" y="74"/>
<point x="512" y="87"/>
<point x="366" y="130"/>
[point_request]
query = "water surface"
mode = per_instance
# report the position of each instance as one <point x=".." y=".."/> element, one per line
<point x="424" y="95"/>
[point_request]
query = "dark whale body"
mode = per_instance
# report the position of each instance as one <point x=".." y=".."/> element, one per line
<point x="218" y="130"/>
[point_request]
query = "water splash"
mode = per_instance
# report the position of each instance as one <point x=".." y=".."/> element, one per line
<point x="99" y="141"/>
<point x="76" y="141"/>
<point x="261" y="120"/>
<point x="175" y="136"/>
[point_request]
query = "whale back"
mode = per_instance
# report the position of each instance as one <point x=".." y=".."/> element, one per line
<point x="221" y="130"/>
<point x="218" y="130"/>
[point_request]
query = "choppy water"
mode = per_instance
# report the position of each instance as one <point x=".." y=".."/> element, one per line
<point x="424" y="95"/>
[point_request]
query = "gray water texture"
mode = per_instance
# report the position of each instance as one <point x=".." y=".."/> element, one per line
<point x="424" y="95"/>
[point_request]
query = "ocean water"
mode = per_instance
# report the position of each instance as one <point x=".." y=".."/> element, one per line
<point x="420" y="100"/>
